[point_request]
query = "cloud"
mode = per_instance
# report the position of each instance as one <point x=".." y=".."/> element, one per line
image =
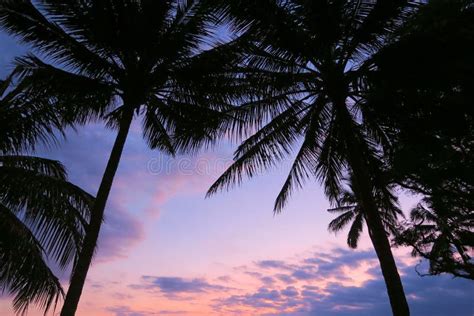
<point x="120" y="233"/>
<point x="125" y="311"/>
<point x="173" y="286"/>
<point x="343" y="282"/>
<point x="305" y="273"/>
<point x="285" y="278"/>
<point x="122" y="296"/>
<point x="434" y="296"/>
<point x="267" y="280"/>
<point x="262" y="298"/>
<point x="337" y="282"/>
<point x="290" y="291"/>
<point x="272" y="264"/>
<point x="183" y="174"/>
<point x="225" y="278"/>
<point x="128" y="311"/>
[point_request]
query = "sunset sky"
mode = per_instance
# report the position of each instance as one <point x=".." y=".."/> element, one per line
<point x="167" y="250"/>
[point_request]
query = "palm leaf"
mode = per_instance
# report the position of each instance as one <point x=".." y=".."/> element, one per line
<point x="38" y="165"/>
<point x="23" y="19"/>
<point x="341" y="221"/>
<point x="306" y="160"/>
<point x="55" y="210"/>
<point x="269" y="145"/>
<point x="23" y="271"/>
<point x="355" y="230"/>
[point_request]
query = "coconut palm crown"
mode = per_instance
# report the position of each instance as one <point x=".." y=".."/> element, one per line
<point x="311" y="59"/>
<point x="116" y="60"/>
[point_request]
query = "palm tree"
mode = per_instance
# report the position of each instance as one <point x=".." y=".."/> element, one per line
<point x="311" y="58"/>
<point x="431" y="114"/>
<point x="43" y="217"/>
<point x="443" y="235"/>
<point x="350" y="210"/>
<point x="118" y="59"/>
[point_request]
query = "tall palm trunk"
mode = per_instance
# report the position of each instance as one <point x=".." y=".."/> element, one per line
<point x="388" y="266"/>
<point x="362" y="180"/>
<point x="377" y="232"/>
<point x="92" y="234"/>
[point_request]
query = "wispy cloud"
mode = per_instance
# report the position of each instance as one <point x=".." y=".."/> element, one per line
<point x="344" y="282"/>
<point x="174" y="286"/>
<point x="337" y="282"/>
<point x="120" y="233"/>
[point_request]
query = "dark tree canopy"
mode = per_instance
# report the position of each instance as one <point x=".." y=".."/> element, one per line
<point x="43" y="217"/>
<point x="364" y="95"/>
<point x="427" y="101"/>
<point x="311" y="60"/>
<point x="160" y="59"/>
<point x="118" y="60"/>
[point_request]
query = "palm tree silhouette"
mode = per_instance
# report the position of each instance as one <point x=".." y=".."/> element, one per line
<point x="350" y="210"/>
<point x="443" y="235"/>
<point x="431" y="112"/>
<point x="310" y="59"/>
<point x="118" y="59"/>
<point x="43" y="217"/>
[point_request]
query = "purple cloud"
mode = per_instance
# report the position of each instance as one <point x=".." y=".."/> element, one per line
<point x="306" y="273"/>
<point x="263" y="298"/>
<point x="290" y="291"/>
<point x="120" y="232"/>
<point x="172" y="286"/>
<point x="285" y="278"/>
<point x="126" y="311"/>
<point x="311" y="294"/>
<point x="272" y="264"/>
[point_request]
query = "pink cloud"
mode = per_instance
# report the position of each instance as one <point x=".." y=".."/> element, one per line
<point x="335" y="282"/>
<point x="120" y="233"/>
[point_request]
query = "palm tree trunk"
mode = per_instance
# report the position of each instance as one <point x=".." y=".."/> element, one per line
<point x="377" y="233"/>
<point x="357" y="164"/>
<point x="390" y="273"/>
<point x="92" y="234"/>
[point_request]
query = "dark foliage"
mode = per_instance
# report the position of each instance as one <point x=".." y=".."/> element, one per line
<point x="116" y="60"/>
<point x="351" y="210"/>
<point x="310" y="60"/>
<point x="42" y="216"/>
<point x="427" y="103"/>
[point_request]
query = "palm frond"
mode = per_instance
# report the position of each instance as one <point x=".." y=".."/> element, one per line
<point x="5" y="84"/>
<point x="306" y="160"/>
<point x="262" y="150"/>
<point x="376" y="19"/>
<point x="355" y="230"/>
<point x="76" y="98"/>
<point x="23" y="270"/>
<point x="55" y="210"/>
<point x="23" y="19"/>
<point x="341" y="221"/>
<point x="22" y="123"/>
<point x="331" y="163"/>
<point x="37" y="165"/>
<point x="155" y="132"/>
